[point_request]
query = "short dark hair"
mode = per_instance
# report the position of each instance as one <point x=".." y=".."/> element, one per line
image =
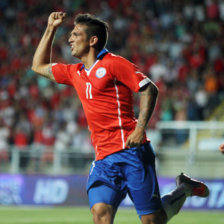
<point x="95" y="27"/>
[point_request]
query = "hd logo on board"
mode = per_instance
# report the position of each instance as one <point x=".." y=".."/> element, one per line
<point x="51" y="191"/>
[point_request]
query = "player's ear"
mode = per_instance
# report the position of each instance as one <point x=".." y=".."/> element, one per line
<point x="93" y="41"/>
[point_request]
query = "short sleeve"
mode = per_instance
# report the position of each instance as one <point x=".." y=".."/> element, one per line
<point x="61" y="73"/>
<point x="128" y="74"/>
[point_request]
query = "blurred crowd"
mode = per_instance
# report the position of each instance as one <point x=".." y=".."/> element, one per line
<point x="178" y="44"/>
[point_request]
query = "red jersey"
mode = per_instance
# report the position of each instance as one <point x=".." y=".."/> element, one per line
<point x="105" y="91"/>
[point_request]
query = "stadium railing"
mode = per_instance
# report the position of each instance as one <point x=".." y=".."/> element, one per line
<point x="180" y="146"/>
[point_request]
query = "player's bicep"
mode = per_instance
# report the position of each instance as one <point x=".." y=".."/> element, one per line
<point x="46" y="71"/>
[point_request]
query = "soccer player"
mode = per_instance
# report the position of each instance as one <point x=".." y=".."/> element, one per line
<point x="221" y="148"/>
<point x="125" y="162"/>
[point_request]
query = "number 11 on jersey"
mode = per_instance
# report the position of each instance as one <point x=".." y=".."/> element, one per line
<point x="88" y="90"/>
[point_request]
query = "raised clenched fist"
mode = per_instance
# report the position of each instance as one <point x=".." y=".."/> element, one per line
<point x="56" y="18"/>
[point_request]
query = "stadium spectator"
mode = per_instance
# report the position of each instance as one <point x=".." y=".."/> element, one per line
<point x="21" y="142"/>
<point x="4" y="141"/>
<point x="104" y="83"/>
<point x="37" y="149"/>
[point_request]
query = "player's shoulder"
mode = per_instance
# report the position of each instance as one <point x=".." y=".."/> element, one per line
<point x="115" y="59"/>
<point x="77" y="66"/>
<point x="72" y="67"/>
<point x="113" y="56"/>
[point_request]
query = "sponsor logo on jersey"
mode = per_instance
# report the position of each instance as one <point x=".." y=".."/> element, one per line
<point x="101" y="72"/>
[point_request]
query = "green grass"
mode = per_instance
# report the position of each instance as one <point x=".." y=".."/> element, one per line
<point x="77" y="215"/>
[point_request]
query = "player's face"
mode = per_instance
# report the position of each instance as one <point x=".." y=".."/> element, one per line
<point x="78" y="41"/>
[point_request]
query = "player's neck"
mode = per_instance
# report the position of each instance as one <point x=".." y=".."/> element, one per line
<point x="90" y="58"/>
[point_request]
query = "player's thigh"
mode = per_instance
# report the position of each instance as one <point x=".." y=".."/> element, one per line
<point x="142" y="183"/>
<point x="101" y="193"/>
<point x="145" y="196"/>
<point x="158" y="217"/>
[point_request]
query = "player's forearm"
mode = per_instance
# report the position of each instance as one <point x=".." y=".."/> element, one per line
<point x="42" y="55"/>
<point x="148" y="100"/>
